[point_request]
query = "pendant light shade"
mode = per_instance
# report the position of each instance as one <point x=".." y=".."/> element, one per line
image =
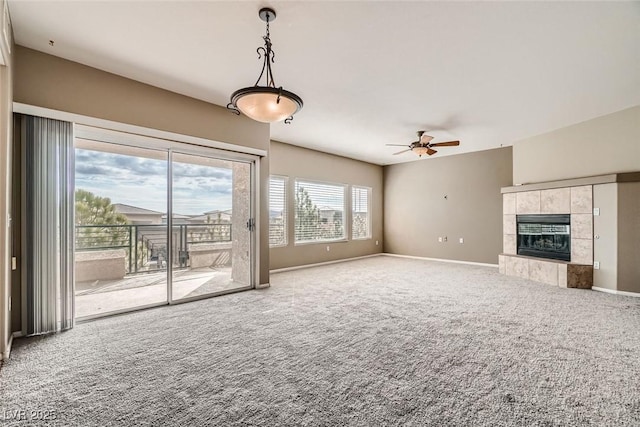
<point x="268" y="103"/>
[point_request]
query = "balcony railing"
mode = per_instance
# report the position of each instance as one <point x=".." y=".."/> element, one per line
<point x="145" y="246"/>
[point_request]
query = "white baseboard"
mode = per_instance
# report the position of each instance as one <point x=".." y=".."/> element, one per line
<point x="455" y="261"/>
<point x="616" y="292"/>
<point x="7" y="352"/>
<point x="299" y="267"/>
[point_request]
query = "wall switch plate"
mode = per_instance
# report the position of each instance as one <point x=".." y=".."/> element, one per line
<point x="9" y="303"/>
<point x="444" y="239"/>
<point x="14" y="263"/>
<point x="596" y="265"/>
<point x="328" y="248"/>
<point x="376" y="243"/>
<point x="461" y="240"/>
<point x="439" y="239"/>
<point x="596" y="211"/>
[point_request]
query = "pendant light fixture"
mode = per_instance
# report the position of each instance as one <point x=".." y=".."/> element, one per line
<point x="268" y="103"/>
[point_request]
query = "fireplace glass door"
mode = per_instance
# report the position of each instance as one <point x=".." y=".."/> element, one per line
<point x="545" y="236"/>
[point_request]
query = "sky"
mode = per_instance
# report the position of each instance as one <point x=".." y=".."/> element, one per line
<point x="142" y="182"/>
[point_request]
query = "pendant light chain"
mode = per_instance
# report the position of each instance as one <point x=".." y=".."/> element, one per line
<point x="269" y="56"/>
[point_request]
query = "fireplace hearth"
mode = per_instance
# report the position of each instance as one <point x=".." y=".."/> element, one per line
<point x="544" y="236"/>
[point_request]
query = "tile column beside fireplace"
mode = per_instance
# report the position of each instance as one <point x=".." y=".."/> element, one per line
<point x="576" y="201"/>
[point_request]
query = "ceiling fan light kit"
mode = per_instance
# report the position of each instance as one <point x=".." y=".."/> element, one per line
<point x="423" y="145"/>
<point x="268" y="103"/>
<point x="421" y="151"/>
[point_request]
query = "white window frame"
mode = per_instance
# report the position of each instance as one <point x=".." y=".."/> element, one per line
<point x="285" y="214"/>
<point x="345" y="222"/>
<point x="369" y="192"/>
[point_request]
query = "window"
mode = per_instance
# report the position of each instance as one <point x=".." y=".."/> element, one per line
<point x="360" y="213"/>
<point x="277" y="211"/>
<point x="319" y="212"/>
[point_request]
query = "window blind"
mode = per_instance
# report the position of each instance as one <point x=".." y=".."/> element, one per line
<point x="277" y="211"/>
<point x="319" y="211"/>
<point x="49" y="242"/>
<point x="360" y="212"/>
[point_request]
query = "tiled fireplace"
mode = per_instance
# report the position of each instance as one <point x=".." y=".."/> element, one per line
<point x="553" y="223"/>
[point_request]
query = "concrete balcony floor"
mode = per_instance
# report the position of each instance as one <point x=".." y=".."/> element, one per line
<point x="105" y="296"/>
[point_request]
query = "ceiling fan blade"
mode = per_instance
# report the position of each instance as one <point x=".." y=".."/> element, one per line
<point x="445" y="144"/>
<point x="396" y="145"/>
<point x="403" y="151"/>
<point x="425" y="139"/>
<point x="431" y="152"/>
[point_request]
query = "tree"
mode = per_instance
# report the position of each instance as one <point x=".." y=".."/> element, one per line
<point x="216" y="230"/>
<point x="307" y="216"/>
<point x="96" y="210"/>
<point x="338" y="230"/>
<point x="360" y="226"/>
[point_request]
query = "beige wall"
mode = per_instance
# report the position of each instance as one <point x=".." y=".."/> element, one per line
<point x="605" y="231"/>
<point x="629" y="236"/>
<point x="617" y="231"/>
<point x="47" y="81"/>
<point x="416" y="211"/>
<point x="6" y="86"/>
<point x="604" y="145"/>
<point x="297" y="162"/>
<point x="607" y="144"/>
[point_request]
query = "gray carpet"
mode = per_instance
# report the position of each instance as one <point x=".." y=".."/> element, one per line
<point x="379" y="341"/>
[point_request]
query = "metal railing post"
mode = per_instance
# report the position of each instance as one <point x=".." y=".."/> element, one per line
<point x="130" y="249"/>
<point x="136" y="246"/>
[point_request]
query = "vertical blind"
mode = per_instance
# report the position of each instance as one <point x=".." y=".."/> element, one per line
<point x="360" y="213"/>
<point x="277" y="211"/>
<point x="49" y="258"/>
<point x="319" y="211"/>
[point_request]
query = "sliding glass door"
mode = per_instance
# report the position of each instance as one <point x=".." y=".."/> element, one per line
<point x="158" y="225"/>
<point x="121" y="237"/>
<point x="211" y="238"/>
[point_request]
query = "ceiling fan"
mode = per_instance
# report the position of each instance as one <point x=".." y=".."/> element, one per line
<point x="423" y="145"/>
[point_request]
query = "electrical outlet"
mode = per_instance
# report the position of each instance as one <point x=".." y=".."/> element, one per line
<point x="9" y="303"/>
<point x="439" y="239"/>
<point x="376" y="243"/>
<point x="328" y="248"/>
<point x="461" y="240"/>
<point x="596" y="265"/>
<point x="596" y="211"/>
<point x="14" y="263"/>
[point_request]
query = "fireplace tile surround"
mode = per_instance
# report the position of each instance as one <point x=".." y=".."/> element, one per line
<point x="575" y="201"/>
<point x="610" y="237"/>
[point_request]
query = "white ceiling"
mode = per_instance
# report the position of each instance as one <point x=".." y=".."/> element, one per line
<point x="370" y="73"/>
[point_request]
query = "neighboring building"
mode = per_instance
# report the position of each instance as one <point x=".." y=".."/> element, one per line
<point x="329" y="215"/>
<point x="177" y="219"/>
<point x="216" y="216"/>
<point x="139" y="216"/>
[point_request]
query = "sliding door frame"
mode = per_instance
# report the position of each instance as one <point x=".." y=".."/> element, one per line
<point x="170" y="147"/>
<point x="135" y="131"/>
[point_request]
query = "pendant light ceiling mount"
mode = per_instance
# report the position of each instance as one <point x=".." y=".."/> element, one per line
<point x="267" y="14"/>
<point x="268" y="103"/>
